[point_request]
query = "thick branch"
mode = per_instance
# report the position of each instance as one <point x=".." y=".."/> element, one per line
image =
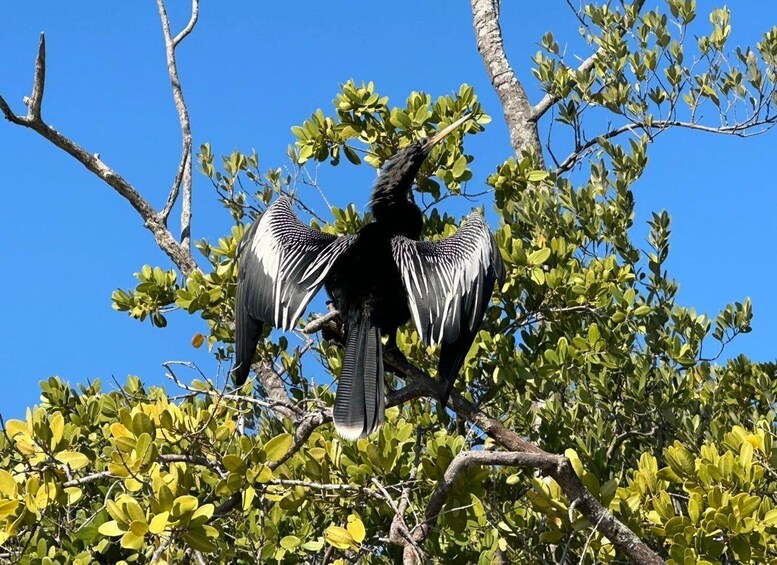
<point x="178" y="254"/>
<point x="546" y="462"/>
<point x="421" y="385"/>
<point x="183" y="178"/>
<point x="515" y="103"/>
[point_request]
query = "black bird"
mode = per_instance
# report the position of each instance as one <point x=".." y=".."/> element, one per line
<point x="378" y="279"/>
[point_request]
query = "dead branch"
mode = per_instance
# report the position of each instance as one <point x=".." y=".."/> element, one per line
<point x="179" y="254"/>
<point x="183" y="178"/>
<point x="515" y="104"/>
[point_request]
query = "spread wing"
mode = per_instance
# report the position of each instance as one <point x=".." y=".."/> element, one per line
<point x="449" y="285"/>
<point x="282" y="265"/>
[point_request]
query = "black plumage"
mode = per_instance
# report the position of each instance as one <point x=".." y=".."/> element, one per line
<point x="378" y="279"/>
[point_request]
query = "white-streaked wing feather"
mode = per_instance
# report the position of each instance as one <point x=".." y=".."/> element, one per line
<point x="449" y="282"/>
<point x="283" y="264"/>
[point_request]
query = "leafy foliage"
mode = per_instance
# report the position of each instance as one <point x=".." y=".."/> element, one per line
<point x="584" y="351"/>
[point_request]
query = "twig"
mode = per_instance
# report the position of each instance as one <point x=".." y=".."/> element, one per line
<point x="161" y="549"/>
<point x="39" y="82"/>
<point x="320" y="322"/>
<point x="87" y="479"/>
<point x="742" y="129"/>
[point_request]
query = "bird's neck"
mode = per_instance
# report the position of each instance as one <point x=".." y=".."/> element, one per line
<point x="393" y="209"/>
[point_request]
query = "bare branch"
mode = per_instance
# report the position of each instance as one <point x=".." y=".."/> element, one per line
<point x="183" y="178"/>
<point x="318" y="323"/>
<point x="517" y="109"/>
<point x="39" y="82"/>
<point x="546" y="462"/>
<point x="190" y="26"/>
<point x="181" y="256"/>
<point x="86" y="480"/>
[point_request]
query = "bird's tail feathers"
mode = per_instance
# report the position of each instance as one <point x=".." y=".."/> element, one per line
<point x="360" y="399"/>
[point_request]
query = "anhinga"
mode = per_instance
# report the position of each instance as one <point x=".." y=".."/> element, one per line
<point x="378" y="279"/>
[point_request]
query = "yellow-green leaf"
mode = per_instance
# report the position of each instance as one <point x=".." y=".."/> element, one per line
<point x="57" y="426"/>
<point x="110" y="529"/>
<point x="277" y="447"/>
<point x="200" y="541"/>
<point x="539" y="256"/>
<point x="74" y="494"/>
<point x="184" y="504"/>
<point x="338" y="537"/>
<point x="537" y="176"/>
<point x="7" y="507"/>
<point x="72" y="459"/>
<point x="290" y="542"/>
<point x="13" y="427"/>
<point x="234" y="464"/>
<point x="130" y="540"/>
<point x="7" y="484"/>
<point x="356" y="528"/>
<point x="158" y="523"/>
<point x="139" y="527"/>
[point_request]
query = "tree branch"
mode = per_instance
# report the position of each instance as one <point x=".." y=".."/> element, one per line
<point x="190" y="26"/>
<point x="151" y="220"/>
<point x="742" y="129"/>
<point x="183" y="178"/>
<point x="419" y="384"/>
<point x="546" y="462"/>
<point x="549" y="100"/>
<point x="39" y="82"/>
<point x="517" y="109"/>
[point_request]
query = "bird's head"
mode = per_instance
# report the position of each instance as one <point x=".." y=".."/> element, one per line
<point x="398" y="174"/>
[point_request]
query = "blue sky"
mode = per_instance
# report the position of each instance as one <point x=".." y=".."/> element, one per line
<point x="249" y="74"/>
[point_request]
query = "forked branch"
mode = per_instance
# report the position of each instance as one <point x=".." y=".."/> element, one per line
<point x="183" y="178"/>
<point x="179" y="254"/>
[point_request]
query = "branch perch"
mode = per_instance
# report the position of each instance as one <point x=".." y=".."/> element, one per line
<point x="419" y="385"/>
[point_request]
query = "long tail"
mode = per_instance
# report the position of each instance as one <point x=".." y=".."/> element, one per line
<point x="360" y="402"/>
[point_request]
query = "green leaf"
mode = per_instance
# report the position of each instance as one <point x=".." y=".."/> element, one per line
<point x="539" y="257"/>
<point x="290" y="542"/>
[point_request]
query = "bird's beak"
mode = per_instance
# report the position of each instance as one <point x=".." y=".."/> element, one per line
<point x="442" y="134"/>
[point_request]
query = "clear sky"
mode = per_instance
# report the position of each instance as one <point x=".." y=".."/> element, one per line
<point x="249" y="73"/>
